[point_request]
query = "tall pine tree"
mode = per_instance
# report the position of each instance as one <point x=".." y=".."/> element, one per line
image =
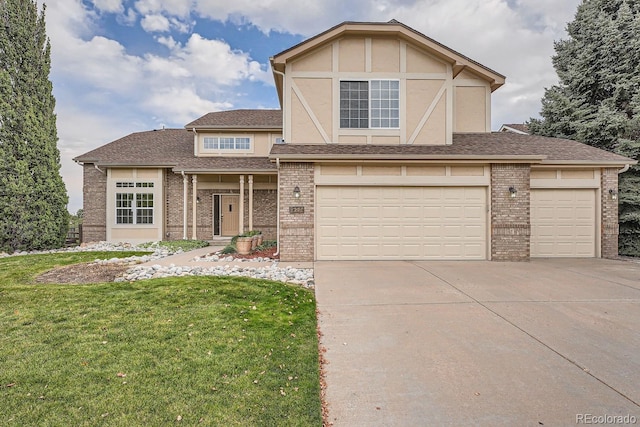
<point x="598" y="98"/>
<point x="33" y="198"/>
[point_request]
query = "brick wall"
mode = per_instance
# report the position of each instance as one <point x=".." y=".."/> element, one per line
<point x="510" y="217"/>
<point x="609" y="216"/>
<point x="265" y="212"/>
<point x="204" y="231"/>
<point x="173" y="195"/>
<point x="296" y="229"/>
<point x="94" y="193"/>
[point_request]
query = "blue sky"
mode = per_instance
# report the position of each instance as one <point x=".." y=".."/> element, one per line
<point x="122" y="66"/>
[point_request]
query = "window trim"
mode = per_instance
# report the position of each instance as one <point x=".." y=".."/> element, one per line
<point x="135" y="193"/>
<point x="238" y="142"/>
<point x="370" y="107"/>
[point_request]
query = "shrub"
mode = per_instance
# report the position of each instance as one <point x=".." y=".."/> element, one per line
<point x="229" y="249"/>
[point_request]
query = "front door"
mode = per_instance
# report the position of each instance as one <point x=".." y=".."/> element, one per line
<point x="225" y="215"/>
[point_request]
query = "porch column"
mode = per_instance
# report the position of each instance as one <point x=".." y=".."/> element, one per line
<point x="250" y="202"/>
<point x="241" y="208"/>
<point x="194" y="204"/>
<point x="185" y="192"/>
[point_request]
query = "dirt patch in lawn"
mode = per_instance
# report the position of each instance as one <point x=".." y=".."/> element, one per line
<point x="266" y="253"/>
<point x="83" y="273"/>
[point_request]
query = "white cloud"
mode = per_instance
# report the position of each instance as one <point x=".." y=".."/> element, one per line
<point x="215" y="61"/>
<point x="182" y="104"/>
<point x="112" y="6"/>
<point x="155" y="23"/>
<point x="128" y="18"/>
<point x="179" y="8"/>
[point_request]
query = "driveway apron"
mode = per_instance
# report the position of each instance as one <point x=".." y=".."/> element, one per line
<point x="546" y="342"/>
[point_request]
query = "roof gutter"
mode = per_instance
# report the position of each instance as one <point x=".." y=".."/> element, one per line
<point x="411" y="157"/>
<point x="224" y="171"/>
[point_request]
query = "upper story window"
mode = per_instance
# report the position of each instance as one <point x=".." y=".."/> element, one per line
<point x="227" y="143"/>
<point x="370" y="104"/>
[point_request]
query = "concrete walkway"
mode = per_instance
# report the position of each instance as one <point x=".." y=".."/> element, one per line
<point x="547" y="342"/>
<point x="186" y="259"/>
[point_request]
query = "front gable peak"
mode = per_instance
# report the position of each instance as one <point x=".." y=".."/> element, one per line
<point x="392" y="28"/>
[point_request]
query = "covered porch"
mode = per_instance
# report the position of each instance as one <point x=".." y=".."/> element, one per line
<point x="218" y="205"/>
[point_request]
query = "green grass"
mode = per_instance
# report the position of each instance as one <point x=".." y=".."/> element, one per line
<point x="202" y="350"/>
<point x="174" y="245"/>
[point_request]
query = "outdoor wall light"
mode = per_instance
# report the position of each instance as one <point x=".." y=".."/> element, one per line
<point x="296" y="192"/>
<point x="614" y="194"/>
<point x="198" y="199"/>
<point x="512" y="192"/>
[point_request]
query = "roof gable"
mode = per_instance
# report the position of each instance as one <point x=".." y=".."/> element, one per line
<point x="239" y="119"/>
<point x="458" y="61"/>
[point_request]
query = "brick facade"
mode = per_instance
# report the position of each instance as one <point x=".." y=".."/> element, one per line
<point x="173" y="206"/>
<point x="265" y="212"/>
<point x="609" y="215"/>
<point x="94" y="193"/>
<point x="296" y="228"/>
<point x="510" y="216"/>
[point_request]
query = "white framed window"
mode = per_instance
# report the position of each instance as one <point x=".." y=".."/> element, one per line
<point x="134" y="207"/>
<point x="227" y="143"/>
<point x="371" y="104"/>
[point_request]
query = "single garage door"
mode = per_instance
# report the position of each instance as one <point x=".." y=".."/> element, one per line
<point x="563" y="223"/>
<point x="384" y="223"/>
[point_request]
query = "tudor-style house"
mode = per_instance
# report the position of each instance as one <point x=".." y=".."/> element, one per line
<point x="382" y="149"/>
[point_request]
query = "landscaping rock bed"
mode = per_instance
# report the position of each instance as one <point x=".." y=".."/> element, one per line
<point x="129" y="270"/>
<point x="298" y="276"/>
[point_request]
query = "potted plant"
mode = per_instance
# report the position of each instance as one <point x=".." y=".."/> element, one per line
<point x="243" y="244"/>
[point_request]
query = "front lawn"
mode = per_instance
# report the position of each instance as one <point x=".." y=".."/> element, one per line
<point x="193" y="350"/>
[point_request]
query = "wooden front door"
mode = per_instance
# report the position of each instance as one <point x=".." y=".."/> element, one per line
<point x="229" y="216"/>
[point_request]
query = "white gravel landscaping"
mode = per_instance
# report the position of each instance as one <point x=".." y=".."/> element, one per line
<point x="158" y="252"/>
<point x="299" y="276"/>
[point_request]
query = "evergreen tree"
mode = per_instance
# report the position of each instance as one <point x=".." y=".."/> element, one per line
<point x="33" y="197"/>
<point x="597" y="100"/>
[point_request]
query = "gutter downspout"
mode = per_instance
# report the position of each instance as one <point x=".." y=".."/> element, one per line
<point x="195" y="142"/>
<point x="624" y="169"/>
<point x="185" y="184"/>
<point x="278" y="210"/>
<point x="284" y="128"/>
<point x="104" y="173"/>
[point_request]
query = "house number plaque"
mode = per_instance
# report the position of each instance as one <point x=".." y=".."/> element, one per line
<point x="296" y="209"/>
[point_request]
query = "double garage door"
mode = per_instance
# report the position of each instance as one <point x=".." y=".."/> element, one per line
<point x="387" y="223"/>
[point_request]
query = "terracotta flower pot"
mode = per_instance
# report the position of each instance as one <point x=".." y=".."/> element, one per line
<point x="243" y="245"/>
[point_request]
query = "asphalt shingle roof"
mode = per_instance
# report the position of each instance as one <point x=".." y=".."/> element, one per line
<point x="239" y="119"/>
<point x="170" y="148"/>
<point x="174" y="148"/>
<point x="470" y="145"/>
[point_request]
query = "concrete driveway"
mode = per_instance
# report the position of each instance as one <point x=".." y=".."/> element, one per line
<point x="547" y="342"/>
